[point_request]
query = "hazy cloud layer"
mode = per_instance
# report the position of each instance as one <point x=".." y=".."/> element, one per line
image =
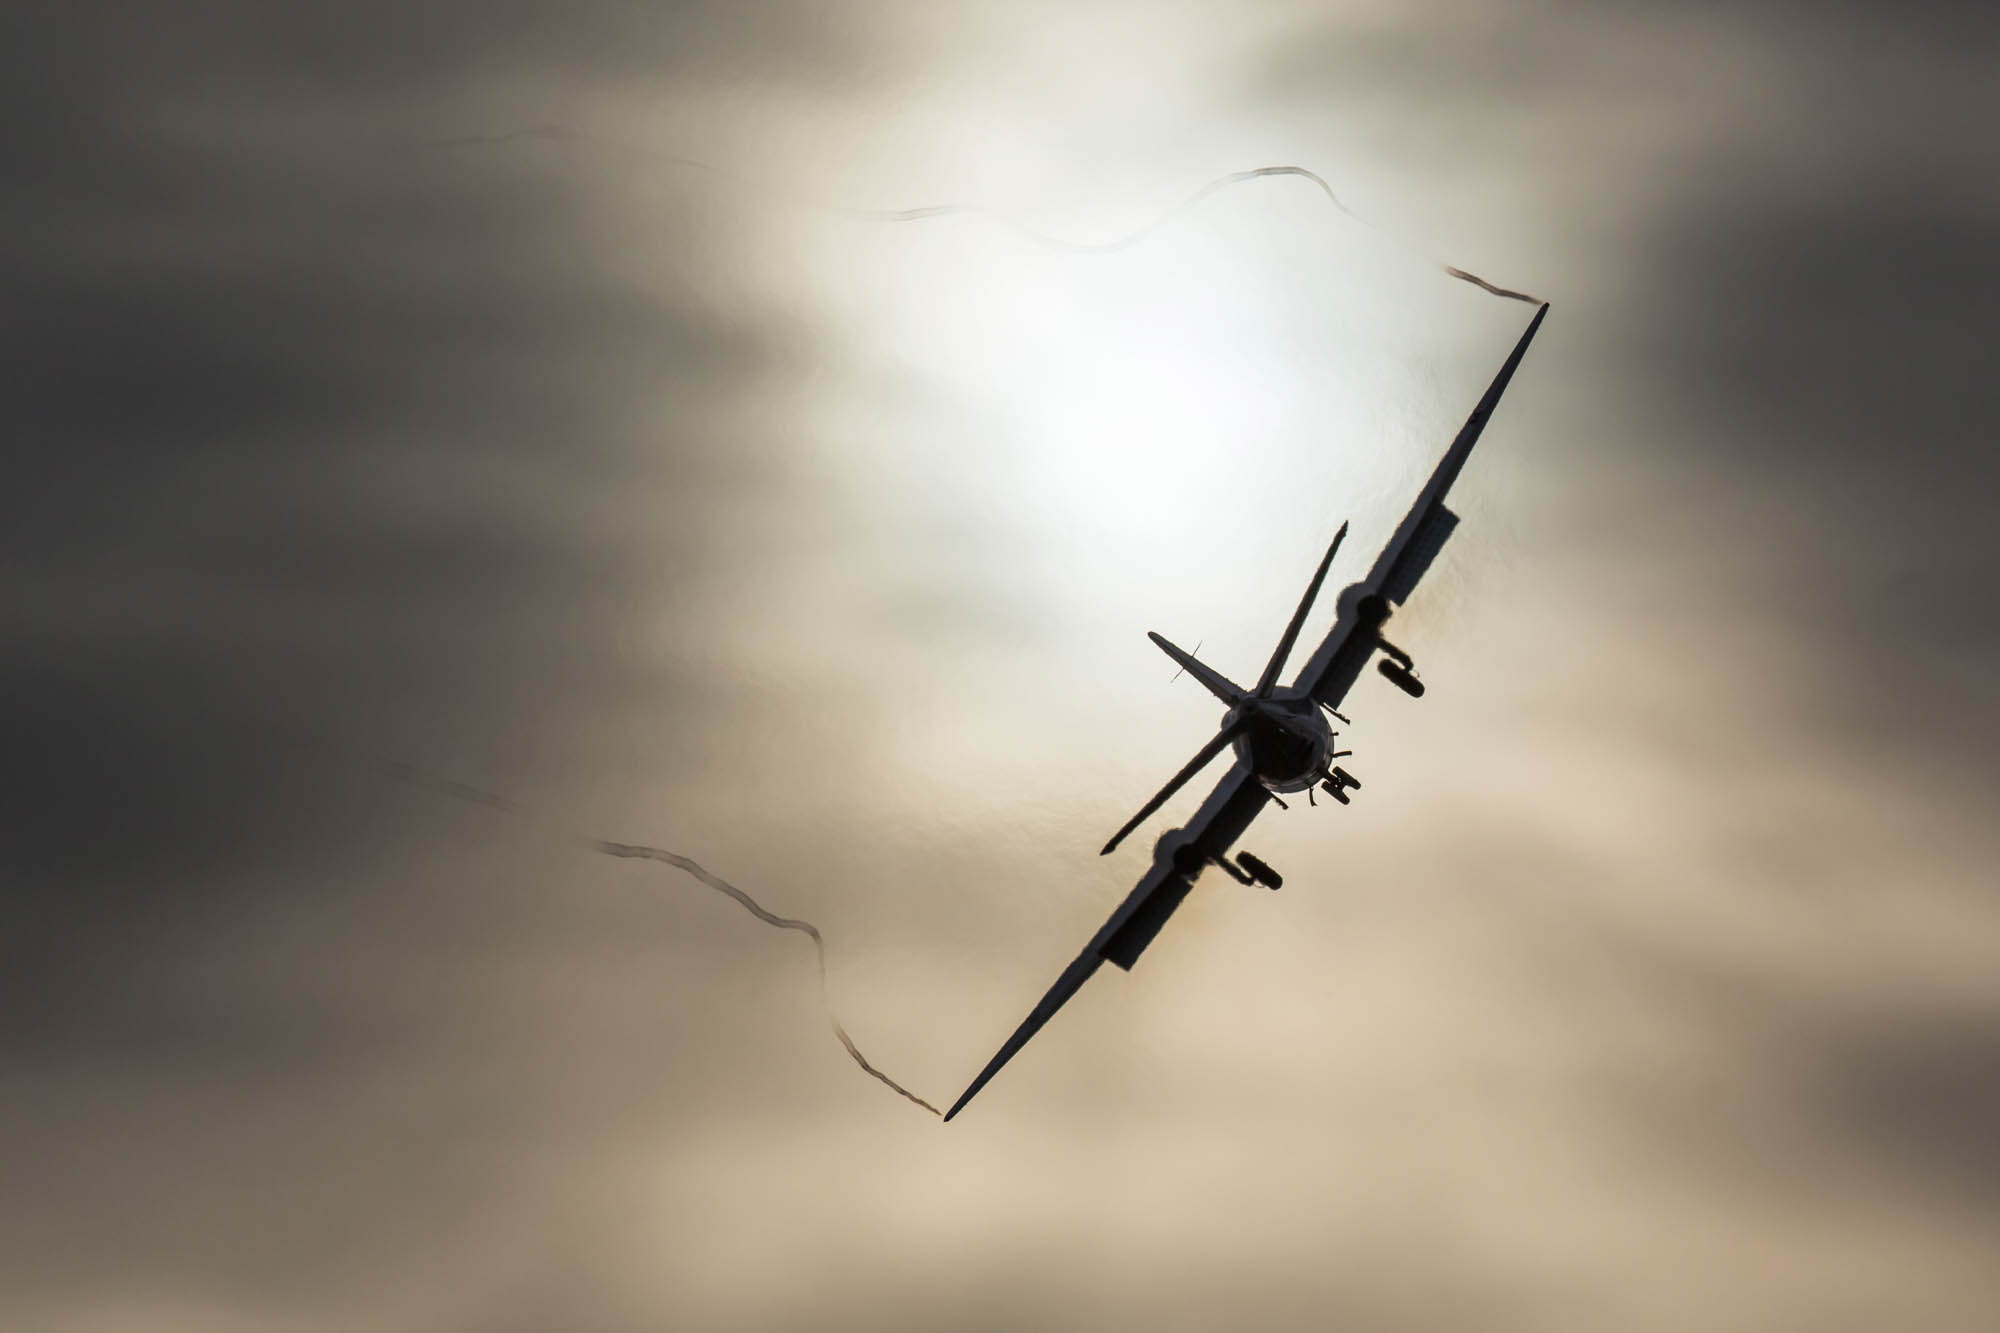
<point x="1648" y="985"/>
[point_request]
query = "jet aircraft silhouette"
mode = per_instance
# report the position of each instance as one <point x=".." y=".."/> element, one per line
<point x="1282" y="738"/>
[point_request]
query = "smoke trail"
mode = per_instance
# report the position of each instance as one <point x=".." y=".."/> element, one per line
<point x="1139" y="234"/>
<point x="1098" y="247"/>
<point x="721" y="885"/>
<point x="1478" y="281"/>
<point x="408" y="773"/>
<point x="565" y="134"/>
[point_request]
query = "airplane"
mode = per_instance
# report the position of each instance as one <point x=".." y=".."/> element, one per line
<point x="1282" y="738"/>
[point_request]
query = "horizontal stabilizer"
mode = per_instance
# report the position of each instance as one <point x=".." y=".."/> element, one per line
<point x="1269" y="680"/>
<point x="1211" y="680"/>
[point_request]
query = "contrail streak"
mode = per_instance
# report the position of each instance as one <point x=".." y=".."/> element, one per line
<point x="1139" y="234"/>
<point x="565" y="134"/>
<point x="807" y="928"/>
<point x="409" y="773"/>
<point x="1131" y="238"/>
<point x="1478" y="281"/>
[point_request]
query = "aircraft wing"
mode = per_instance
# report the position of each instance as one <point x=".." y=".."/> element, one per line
<point x="1178" y="858"/>
<point x="1339" y="660"/>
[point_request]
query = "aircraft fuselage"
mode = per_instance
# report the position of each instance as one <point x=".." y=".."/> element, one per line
<point x="1285" y="740"/>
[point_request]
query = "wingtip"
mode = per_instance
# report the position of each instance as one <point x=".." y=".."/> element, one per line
<point x="973" y="1091"/>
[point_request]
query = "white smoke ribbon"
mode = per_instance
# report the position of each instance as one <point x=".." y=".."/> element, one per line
<point x="1133" y="237"/>
<point x="564" y="134"/>
<point x="807" y="928"/>
<point x="408" y="773"/>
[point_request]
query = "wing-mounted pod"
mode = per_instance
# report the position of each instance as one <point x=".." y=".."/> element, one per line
<point x="1399" y="669"/>
<point x="1260" y="871"/>
<point x="1396" y="665"/>
<point x="1184" y="853"/>
<point x="1249" y="868"/>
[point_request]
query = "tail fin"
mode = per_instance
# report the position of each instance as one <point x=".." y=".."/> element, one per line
<point x="1269" y="680"/>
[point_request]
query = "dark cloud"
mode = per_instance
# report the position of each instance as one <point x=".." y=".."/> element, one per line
<point x="1824" y="323"/>
<point x="1841" y="350"/>
<point x="312" y="422"/>
<point x="1924" y="1093"/>
<point x="325" y="442"/>
<point x="355" y="54"/>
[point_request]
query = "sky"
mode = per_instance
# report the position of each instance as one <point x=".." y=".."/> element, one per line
<point x="534" y="395"/>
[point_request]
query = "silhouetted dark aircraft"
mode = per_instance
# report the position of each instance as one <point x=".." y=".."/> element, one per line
<point x="1281" y="736"/>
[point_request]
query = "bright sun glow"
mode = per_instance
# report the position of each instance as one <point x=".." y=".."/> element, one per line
<point x="1047" y="453"/>
<point x="1107" y="405"/>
